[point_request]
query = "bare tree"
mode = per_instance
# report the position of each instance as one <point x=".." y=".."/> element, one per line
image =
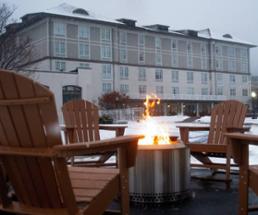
<point x="15" y="50"/>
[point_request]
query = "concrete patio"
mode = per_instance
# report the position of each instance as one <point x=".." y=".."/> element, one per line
<point x="208" y="198"/>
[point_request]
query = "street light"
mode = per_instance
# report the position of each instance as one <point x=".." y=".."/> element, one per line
<point x="253" y="95"/>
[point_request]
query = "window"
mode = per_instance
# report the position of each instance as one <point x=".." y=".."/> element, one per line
<point x="124" y="73"/>
<point x="157" y="43"/>
<point x="60" y="66"/>
<point x="142" y="40"/>
<point x="244" y="67"/>
<point x="106" y="34"/>
<point x="204" y="57"/>
<point x="158" y="56"/>
<point x="224" y="51"/>
<point x="106" y="52"/>
<point x="84" y="65"/>
<point x="219" y="91"/>
<point x="142" y="89"/>
<point x="244" y="53"/>
<point x="175" y="76"/>
<point x="60" y="48"/>
<point x="244" y="78"/>
<point x="159" y="90"/>
<point x="84" y="32"/>
<point x="232" y="91"/>
<point x="106" y="72"/>
<point x="123" y="54"/>
<point x="204" y="91"/>
<point x="141" y="57"/>
<point x="219" y="79"/>
<point x="123" y="38"/>
<point x="141" y="43"/>
<point x="190" y="90"/>
<point x="106" y="87"/>
<point x="123" y="46"/>
<point x="189" y="55"/>
<point x="232" y="79"/>
<point x="84" y="50"/>
<point x="174" y="44"/>
<point x="231" y="52"/>
<point x="218" y="64"/>
<point x="124" y="88"/>
<point x="59" y="29"/>
<point x="158" y="75"/>
<point x="175" y="90"/>
<point x="245" y="92"/>
<point x="218" y="50"/>
<point x="71" y="92"/>
<point x="231" y="66"/>
<point x="204" y="78"/>
<point x="142" y="74"/>
<point x="174" y="57"/>
<point x="190" y="78"/>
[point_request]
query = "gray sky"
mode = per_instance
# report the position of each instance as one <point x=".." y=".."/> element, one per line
<point x="237" y="17"/>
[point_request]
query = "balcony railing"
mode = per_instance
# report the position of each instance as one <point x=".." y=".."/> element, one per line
<point x="185" y="97"/>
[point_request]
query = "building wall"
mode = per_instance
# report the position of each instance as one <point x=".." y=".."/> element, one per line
<point x="226" y="64"/>
<point x="38" y="35"/>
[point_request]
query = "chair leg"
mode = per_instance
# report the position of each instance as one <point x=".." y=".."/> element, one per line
<point x="228" y="181"/>
<point x="124" y="196"/>
<point x="201" y="157"/>
<point x="124" y="188"/>
<point x="243" y="182"/>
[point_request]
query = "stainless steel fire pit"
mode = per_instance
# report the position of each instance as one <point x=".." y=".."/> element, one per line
<point x="161" y="174"/>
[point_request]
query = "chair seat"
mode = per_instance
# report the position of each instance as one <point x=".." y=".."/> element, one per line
<point x="88" y="182"/>
<point x="253" y="177"/>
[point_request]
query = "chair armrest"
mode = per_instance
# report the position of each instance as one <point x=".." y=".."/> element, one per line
<point x="238" y="129"/>
<point x="28" y="151"/>
<point x="240" y="138"/>
<point x="184" y="130"/>
<point x="129" y="142"/>
<point x="194" y="126"/>
<point x="239" y="143"/>
<point x="118" y="128"/>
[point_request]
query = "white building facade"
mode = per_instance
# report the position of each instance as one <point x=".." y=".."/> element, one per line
<point x="80" y="56"/>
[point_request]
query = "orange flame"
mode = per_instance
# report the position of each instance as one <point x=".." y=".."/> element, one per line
<point x="154" y="132"/>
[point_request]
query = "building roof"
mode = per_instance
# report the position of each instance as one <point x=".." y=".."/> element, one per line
<point x="209" y="34"/>
<point x="65" y="9"/>
<point x="68" y="10"/>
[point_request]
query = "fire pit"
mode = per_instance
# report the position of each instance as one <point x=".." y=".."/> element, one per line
<point x="161" y="174"/>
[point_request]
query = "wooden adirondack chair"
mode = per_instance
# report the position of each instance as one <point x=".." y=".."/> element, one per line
<point x="248" y="174"/>
<point x="81" y="119"/>
<point x="225" y="117"/>
<point x="32" y="157"/>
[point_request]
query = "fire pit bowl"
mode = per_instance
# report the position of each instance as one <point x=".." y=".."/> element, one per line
<point x="161" y="174"/>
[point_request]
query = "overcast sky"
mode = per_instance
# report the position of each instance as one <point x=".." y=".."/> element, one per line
<point x="236" y="17"/>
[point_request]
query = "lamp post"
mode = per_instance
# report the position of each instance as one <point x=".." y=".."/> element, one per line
<point x="253" y="95"/>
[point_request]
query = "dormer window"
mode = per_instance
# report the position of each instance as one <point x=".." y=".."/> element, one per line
<point x="80" y="11"/>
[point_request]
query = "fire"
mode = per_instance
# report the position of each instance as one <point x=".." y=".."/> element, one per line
<point x="153" y="131"/>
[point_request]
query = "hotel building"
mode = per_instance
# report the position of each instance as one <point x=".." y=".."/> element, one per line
<point x="80" y="55"/>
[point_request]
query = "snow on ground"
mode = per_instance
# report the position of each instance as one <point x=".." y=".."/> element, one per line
<point x="200" y="136"/>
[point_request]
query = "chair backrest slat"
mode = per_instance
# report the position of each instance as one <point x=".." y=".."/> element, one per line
<point x="29" y="124"/>
<point x="226" y="114"/>
<point x="83" y="116"/>
<point x="12" y="120"/>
